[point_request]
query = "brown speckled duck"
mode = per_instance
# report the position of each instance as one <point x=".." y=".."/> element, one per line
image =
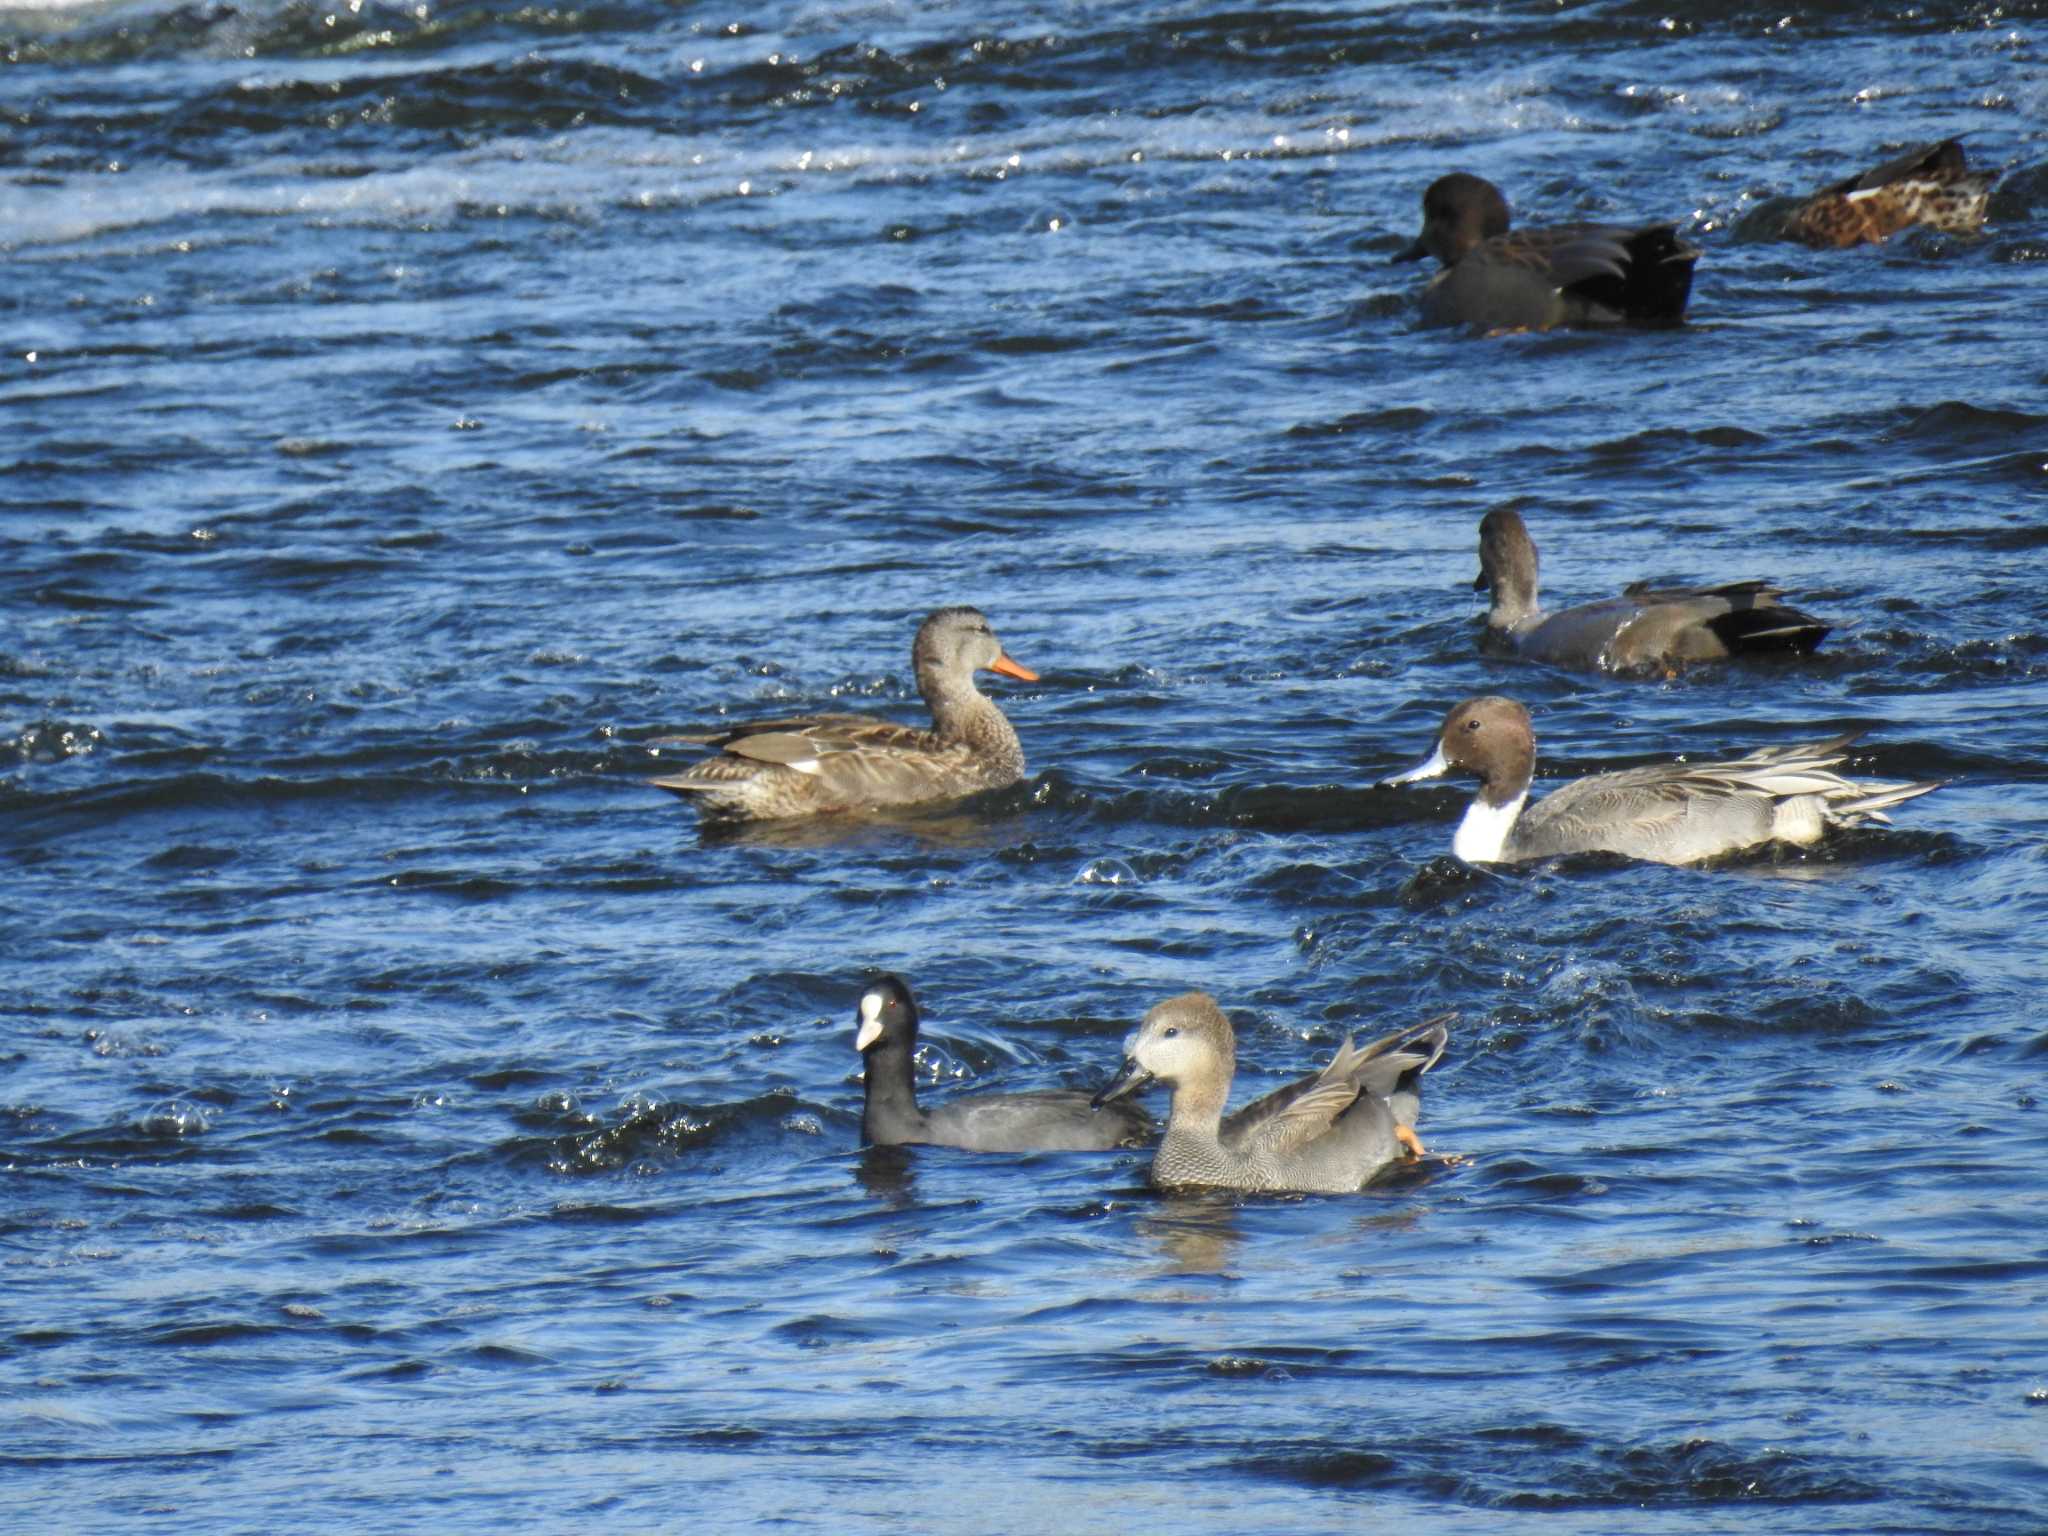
<point x="1534" y="279"/>
<point x="818" y="764"/>
<point x="1930" y="185"/>
<point x="1329" y="1132"/>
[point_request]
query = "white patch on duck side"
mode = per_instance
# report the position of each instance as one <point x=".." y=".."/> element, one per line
<point x="870" y="1021"/>
<point x="804" y="765"/>
<point x="1484" y="831"/>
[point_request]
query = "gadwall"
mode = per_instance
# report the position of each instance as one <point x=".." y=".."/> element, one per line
<point x="1329" y="1132"/>
<point x="1672" y="813"/>
<point x="1052" y="1120"/>
<point x="1930" y="185"/>
<point x="1534" y="279"/>
<point x="1644" y="627"/>
<point x="822" y="763"/>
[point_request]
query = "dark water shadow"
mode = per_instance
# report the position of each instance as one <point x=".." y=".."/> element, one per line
<point x="952" y="829"/>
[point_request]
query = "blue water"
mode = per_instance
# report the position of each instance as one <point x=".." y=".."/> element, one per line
<point x="409" y="1121"/>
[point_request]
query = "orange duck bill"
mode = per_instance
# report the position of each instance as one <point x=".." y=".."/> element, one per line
<point x="1009" y="668"/>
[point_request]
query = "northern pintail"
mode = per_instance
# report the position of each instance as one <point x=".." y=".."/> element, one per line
<point x="1672" y="813"/>
<point x="1534" y="279"/>
<point x="1644" y="627"/>
<point x="1929" y="185"/>
<point x="823" y="763"/>
<point x="1328" y="1132"/>
<point x="1050" y="1120"/>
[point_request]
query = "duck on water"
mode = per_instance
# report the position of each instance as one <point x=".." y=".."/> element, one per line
<point x="1645" y="627"/>
<point x="819" y="764"/>
<point x="1329" y="1132"/>
<point x="1496" y="278"/>
<point x="1667" y="813"/>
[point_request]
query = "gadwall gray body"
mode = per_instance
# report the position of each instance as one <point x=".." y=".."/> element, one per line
<point x="1644" y="627"/>
<point x="823" y="763"/>
<point x="1327" y="1133"/>
<point x="1671" y="813"/>
<point x="1930" y="185"/>
<point x="1051" y="1120"/>
<point x="1533" y="279"/>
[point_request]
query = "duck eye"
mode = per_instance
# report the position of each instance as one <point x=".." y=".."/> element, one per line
<point x="1170" y="1031"/>
<point x="1471" y="725"/>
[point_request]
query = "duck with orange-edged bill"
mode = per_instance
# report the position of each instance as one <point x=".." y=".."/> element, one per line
<point x="820" y="764"/>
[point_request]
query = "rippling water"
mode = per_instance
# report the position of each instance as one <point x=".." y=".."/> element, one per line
<point x="410" y="1121"/>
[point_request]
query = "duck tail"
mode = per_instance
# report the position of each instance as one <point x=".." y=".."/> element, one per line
<point x="1873" y="798"/>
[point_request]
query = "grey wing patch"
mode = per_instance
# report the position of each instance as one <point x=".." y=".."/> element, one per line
<point x="1310" y="1114"/>
<point x="1733" y="592"/>
<point x="1050" y="1120"/>
<point x="1382" y="1064"/>
<point x="1568" y="255"/>
<point x="802" y="725"/>
<point x="784" y="747"/>
<point x="1605" y="814"/>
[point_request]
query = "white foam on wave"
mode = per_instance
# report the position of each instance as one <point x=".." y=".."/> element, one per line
<point x="597" y="172"/>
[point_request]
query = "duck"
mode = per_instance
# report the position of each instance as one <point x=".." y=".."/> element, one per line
<point x="1665" y="813"/>
<point x="1327" y="1133"/>
<point x="1931" y="184"/>
<point x="1051" y="1120"/>
<point x="822" y="764"/>
<point x="1645" y="627"/>
<point x="1496" y="279"/>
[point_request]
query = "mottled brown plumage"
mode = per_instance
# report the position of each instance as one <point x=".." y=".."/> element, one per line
<point x="1930" y="185"/>
<point x="818" y="764"/>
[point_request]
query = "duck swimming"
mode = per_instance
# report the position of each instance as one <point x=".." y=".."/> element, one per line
<point x="1644" y="627"/>
<point x="1930" y="185"/>
<point x="1499" y="279"/>
<point x="1669" y="813"/>
<point x="818" y="764"/>
<point x="1329" y="1132"/>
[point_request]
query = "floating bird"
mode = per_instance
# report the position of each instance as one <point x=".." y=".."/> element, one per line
<point x="1052" y="1120"/>
<point x="1644" y="627"/>
<point x="1671" y="813"/>
<point x="1930" y="185"/>
<point x="1534" y="279"/>
<point x="1327" y="1133"/>
<point x="823" y="763"/>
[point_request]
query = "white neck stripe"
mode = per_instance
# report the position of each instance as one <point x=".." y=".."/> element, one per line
<point x="1483" y="834"/>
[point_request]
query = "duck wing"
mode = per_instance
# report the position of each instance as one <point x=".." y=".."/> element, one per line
<point x="1304" y="1111"/>
<point x="1676" y="623"/>
<point x="788" y="725"/>
<point x="846" y="761"/>
<point x="1309" y="1112"/>
<point x="1673" y="810"/>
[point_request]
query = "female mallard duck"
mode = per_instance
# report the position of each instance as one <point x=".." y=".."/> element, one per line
<point x="823" y="763"/>
<point x="1534" y="279"/>
<point x="1930" y="185"/>
<point x="1326" y="1133"/>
